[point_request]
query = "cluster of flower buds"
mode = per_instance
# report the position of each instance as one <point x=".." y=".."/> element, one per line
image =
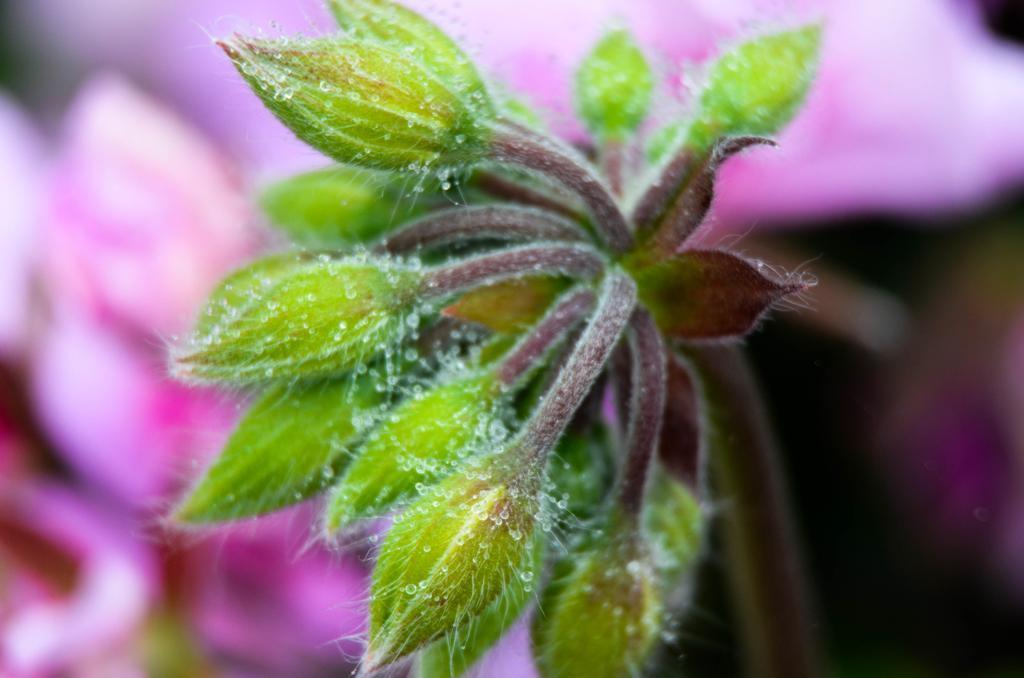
<point x="464" y="292"/>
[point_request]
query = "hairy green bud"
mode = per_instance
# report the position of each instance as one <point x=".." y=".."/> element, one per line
<point x="604" y="612"/>
<point x="337" y="206"/>
<point x="403" y="30"/>
<point x="289" y="446"/>
<point x="453" y="655"/>
<point x="453" y="553"/>
<point x="614" y="86"/>
<point x="421" y="441"/>
<point x="675" y="522"/>
<point x="361" y="103"/>
<point x="317" y="317"/>
<point x="757" y="87"/>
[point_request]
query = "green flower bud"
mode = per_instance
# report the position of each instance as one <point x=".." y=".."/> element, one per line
<point x="453" y="655"/>
<point x="757" y="87"/>
<point x="338" y="206"/>
<point x="403" y="30"/>
<point x="318" y="317"/>
<point x="614" y="86"/>
<point x="315" y="422"/>
<point x="451" y="555"/>
<point x="421" y="441"/>
<point x="361" y="103"/>
<point x="674" y="519"/>
<point x="604" y="613"/>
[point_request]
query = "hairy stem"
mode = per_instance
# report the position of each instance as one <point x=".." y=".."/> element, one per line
<point x="613" y="165"/>
<point x="534" y="152"/>
<point x="551" y="329"/>
<point x="575" y="261"/>
<point x="646" y="409"/>
<point x="515" y="192"/>
<point x="615" y="305"/>
<point x="501" y="222"/>
<point x="766" y="575"/>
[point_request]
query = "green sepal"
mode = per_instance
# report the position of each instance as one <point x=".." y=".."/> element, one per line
<point x="756" y="88"/>
<point x="244" y="288"/>
<point x="337" y="206"/>
<point x="289" y="446"/>
<point x="614" y="86"/>
<point x="361" y="103"/>
<point x="603" y="608"/>
<point x="319" y="317"/>
<point x="451" y="554"/>
<point x="421" y="441"/>
<point x="405" y="31"/>
<point x="457" y="652"/>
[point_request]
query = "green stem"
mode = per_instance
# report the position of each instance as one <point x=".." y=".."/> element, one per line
<point x="765" y="569"/>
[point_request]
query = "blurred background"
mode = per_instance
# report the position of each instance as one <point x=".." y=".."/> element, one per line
<point x="129" y="156"/>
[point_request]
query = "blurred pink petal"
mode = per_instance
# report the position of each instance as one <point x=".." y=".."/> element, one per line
<point x="916" y="110"/>
<point x="20" y="175"/>
<point x="115" y="416"/>
<point x="44" y="630"/>
<point x="510" y="658"/>
<point x="261" y="593"/>
<point x="144" y="216"/>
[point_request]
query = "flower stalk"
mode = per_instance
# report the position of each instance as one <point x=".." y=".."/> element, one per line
<point x="430" y="370"/>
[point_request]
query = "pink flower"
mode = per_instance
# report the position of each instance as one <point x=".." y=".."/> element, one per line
<point x="76" y="587"/>
<point x="114" y="415"/>
<point x="143" y="218"/>
<point x="263" y="596"/>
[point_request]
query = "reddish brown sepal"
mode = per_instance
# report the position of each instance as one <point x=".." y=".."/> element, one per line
<point x="709" y="294"/>
<point x="510" y="306"/>
<point x="679" y="201"/>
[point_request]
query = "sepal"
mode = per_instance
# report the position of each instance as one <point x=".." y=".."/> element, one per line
<point x="709" y="294"/>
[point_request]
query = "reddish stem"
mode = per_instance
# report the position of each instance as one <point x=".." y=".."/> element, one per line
<point x="552" y="328"/>
<point x="519" y="147"/>
<point x="576" y="261"/>
<point x="646" y="409"/>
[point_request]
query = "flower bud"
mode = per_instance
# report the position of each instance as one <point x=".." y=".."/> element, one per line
<point x="604" y="612"/>
<point x="614" y="86"/>
<point x="403" y="30"/>
<point x="451" y="555"/>
<point x="756" y="88"/>
<point x="288" y="318"/>
<point x="458" y="651"/>
<point x="316" y="422"/>
<point x="674" y="519"/>
<point x="421" y="441"/>
<point x="361" y="103"/>
<point x="337" y="206"/>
